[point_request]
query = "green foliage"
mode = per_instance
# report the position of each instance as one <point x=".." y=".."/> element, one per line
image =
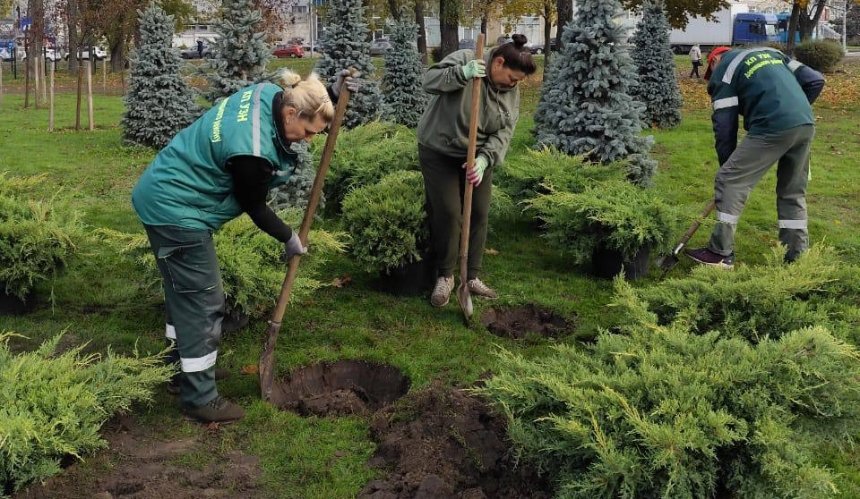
<point x="296" y="193"/>
<point x="344" y="43"/>
<point x="657" y="85"/>
<point x="662" y="412"/>
<point x="52" y="405"/>
<point x="251" y="262"/>
<point x="614" y="215"/>
<point x="585" y="104"/>
<point x="365" y="154"/>
<point x="757" y="302"/>
<point x="36" y="239"/>
<point x="159" y="103"/>
<point x="529" y="173"/>
<point x="822" y="55"/>
<point x="240" y="53"/>
<point x="387" y="221"/>
<point x="404" y="99"/>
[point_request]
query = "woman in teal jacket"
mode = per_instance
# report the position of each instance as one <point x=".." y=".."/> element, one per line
<point x="220" y="166"/>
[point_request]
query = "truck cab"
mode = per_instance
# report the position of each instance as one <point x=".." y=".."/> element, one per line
<point x="755" y="29"/>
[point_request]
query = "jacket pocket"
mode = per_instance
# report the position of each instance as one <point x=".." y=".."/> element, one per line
<point x="192" y="267"/>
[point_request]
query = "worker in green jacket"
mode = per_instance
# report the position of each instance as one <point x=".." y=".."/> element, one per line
<point x="443" y="139"/>
<point x="221" y="166"/>
<point x="774" y="94"/>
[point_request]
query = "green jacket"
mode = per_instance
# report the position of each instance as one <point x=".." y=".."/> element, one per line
<point x="188" y="185"/>
<point x="444" y="127"/>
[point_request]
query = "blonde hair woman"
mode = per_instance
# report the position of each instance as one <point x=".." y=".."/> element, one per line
<point x="218" y="167"/>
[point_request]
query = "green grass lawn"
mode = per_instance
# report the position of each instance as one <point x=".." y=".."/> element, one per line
<point x="99" y="297"/>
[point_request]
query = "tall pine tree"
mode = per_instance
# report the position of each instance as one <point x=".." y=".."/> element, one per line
<point x="585" y="106"/>
<point x="657" y="85"/>
<point x="404" y="99"/>
<point x="240" y="53"/>
<point x="159" y="103"/>
<point x="344" y="44"/>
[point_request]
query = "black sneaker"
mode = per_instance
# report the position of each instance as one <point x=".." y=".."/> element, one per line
<point x="220" y="410"/>
<point x="708" y="257"/>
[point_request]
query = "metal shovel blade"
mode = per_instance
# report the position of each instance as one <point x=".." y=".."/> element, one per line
<point x="465" y="299"/>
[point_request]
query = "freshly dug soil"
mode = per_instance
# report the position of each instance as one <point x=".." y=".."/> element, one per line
<point x="445" y="443"/>
<point x="140" y="465"/>
<point x="340" y="388"/>
<point x="520" y="322"/>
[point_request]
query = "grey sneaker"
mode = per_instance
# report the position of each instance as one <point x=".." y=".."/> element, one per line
<point x="442" y="292"/>
<point x="476" y="287"/>
<point x="220" y="410"/>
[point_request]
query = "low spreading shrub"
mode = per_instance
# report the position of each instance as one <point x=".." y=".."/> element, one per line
<point x="36" y="238"/>
<point x="822" y="55"/>
<point x="387" y="222"/>
<point x="52" y="405"/>
<point x="251" y="262"/>
<point x="757" y="302"/>
<point x="612" y="215"/>
<point x="663" y="412"/>
<point x="364" y="155"/>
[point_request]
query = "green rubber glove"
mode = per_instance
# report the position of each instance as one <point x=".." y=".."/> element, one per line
<point x="476" y="174"/>
<point x="475" y="68"/>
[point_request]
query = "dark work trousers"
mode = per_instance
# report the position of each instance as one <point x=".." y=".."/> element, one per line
<point x="789" y="149"/>
<point x="695" y="70"/>
<point x="194" y="299"/>
<point x="444" y="186"/>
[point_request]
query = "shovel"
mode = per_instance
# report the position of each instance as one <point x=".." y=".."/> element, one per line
<point x="463" y="295"/>
<point x="267" y="358"/>
<point x="668" y="262"/>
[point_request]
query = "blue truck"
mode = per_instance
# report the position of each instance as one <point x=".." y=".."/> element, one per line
<point x="735" y="25"/>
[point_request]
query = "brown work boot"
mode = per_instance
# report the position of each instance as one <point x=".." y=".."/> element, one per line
<point x="173" y="384"/>
<point x="478" y="288"/>
<point x="442" y="291"/>
<point x="220" y="410"/>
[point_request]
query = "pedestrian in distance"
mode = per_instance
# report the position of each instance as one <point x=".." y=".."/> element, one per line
<point x="696" y="59"/>
<point x="774" y="94"/>
<point x="443" y="138"/>
<point x="221" y="166"/>
<point x="200" y="48"/>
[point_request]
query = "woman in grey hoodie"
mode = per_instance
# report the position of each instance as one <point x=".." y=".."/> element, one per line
<point x="443" y="138"/>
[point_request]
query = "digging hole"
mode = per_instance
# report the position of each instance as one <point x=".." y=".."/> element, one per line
<point x="340" y="388"/>
<point x="520" y="322"/>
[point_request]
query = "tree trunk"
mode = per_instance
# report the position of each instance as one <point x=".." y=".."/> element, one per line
<point x="807" y="24"/>
<point x="484" y="22"/>
<point x="117" y="54"/>
<point x="422" y="30"/>
<point x="565" y="15"/>
<point x="394" y="9"/>
<point x="449" y="24"/>
<point x="37" y="37"/>
<point x="792" y="27"/>
<point x="547" y="29"/>
<point x="72" y="24"/>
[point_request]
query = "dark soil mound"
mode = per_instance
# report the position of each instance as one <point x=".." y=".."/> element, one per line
<point x="340" y="388"/>
<point x="520" y="322"/>
<point x="140" y="465"/>
<point x="443" y="442"/>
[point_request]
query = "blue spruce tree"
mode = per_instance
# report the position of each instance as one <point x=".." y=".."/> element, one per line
<point x="403" y="98"/>
<point x="657" y="85"/>
<point x="159" y="103"/>
<point x="297" y="191"/>
<point x="240" y="54"/>
<point x="585" y="106"/>
<point x="344" y="44"/>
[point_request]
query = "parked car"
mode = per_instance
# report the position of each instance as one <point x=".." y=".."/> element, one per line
<point x="98" y="52"/>
<point x="289" y="50"/>
<point x="538" y="47"/>
<point x="380" y="46"/>
<point x="50" y="54"/>
<point x="192" y="53"/>
<point x="467" y="44"/>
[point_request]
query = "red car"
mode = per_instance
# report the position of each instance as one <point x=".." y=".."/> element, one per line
<point x="291" y="50"/>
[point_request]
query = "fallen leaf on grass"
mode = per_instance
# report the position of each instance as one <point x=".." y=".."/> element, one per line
<point x="213" y="427"/>
<point x="342" y="281"/>
<point x="251" y="369"/>
<point x="491" y="251"/>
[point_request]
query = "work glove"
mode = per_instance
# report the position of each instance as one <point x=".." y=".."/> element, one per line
<point x="475" y="68"/>
<point x="295" y="247"/>
<point x="352" y="82"/>
<point x="476" y="175"/>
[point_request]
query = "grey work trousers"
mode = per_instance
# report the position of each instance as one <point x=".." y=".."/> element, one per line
<point x="789" y="149"/>
<point x="194" y="299"/>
